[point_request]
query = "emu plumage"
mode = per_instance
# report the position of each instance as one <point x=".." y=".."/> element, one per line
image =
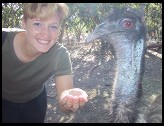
<point x="126" y="32"/>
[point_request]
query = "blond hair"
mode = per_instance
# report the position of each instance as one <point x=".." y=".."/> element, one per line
<point x="34" y="10"/>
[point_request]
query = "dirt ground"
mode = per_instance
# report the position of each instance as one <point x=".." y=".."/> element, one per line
<point x="96" y="79"/>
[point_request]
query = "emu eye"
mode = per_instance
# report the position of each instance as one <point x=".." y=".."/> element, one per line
<point x="127" y="24"/>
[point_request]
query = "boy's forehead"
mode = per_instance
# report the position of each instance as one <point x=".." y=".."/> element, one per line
<point x="50" y="19"/>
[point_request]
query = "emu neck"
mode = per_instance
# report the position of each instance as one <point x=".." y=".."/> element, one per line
<point x="129" y="62"/>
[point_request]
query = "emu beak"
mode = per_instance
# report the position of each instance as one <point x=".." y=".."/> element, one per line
<point x="98" y="32"/>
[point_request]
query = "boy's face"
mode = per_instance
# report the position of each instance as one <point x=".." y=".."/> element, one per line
<point x="41" y="35"/>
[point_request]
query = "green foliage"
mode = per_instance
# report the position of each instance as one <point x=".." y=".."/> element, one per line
<point x="11" y="15"/>
<point x="154" y="18"/>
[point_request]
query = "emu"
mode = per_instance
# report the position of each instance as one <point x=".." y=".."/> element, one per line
<point x="125" y="30"/>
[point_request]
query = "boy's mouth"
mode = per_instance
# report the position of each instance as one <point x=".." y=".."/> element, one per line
<point x="43" y="41"/>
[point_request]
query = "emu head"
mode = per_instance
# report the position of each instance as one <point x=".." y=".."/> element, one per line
<point x="123" y="24"/>
<point x="125" y="31"/>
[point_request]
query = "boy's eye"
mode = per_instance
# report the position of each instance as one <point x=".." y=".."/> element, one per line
<point x="37" y="24"/>
<point x="53" y="27"/>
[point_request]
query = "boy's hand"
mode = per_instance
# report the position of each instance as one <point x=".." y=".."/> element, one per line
<point x="73" y="99"/>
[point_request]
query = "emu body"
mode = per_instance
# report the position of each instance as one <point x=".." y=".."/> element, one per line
<point x="126" y="32"/>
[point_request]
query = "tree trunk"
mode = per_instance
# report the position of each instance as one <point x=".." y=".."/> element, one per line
<point x="60" y="37"/>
